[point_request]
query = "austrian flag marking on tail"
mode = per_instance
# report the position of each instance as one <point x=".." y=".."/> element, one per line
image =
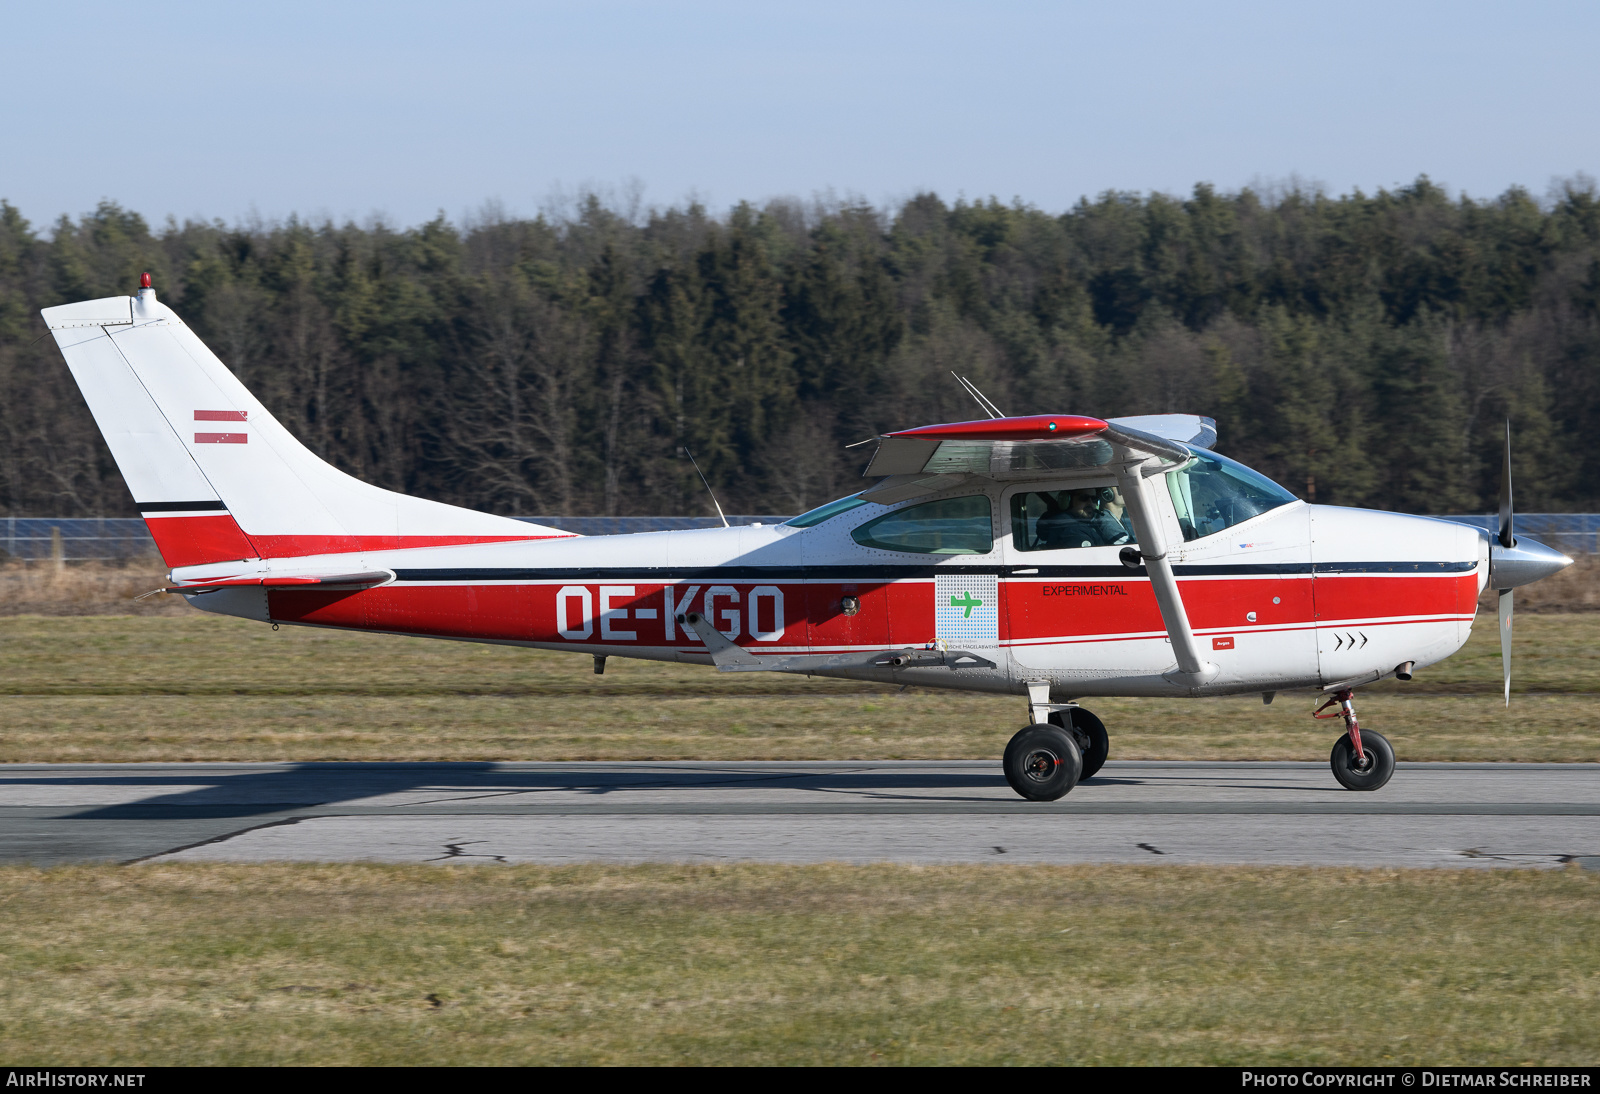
<point x="221" y="416"/>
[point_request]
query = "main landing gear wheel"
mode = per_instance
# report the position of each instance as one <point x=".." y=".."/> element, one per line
<point x="1091" y="736"/>
<point x="1043" y="762"/>
<point x="1355" y="775"/>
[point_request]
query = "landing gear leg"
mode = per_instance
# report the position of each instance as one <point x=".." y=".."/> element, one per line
<point x="1360" y="761"/>
<point x="1090" y="734"/>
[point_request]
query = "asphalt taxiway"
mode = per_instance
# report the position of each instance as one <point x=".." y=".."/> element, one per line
<point x="1452" y="815"/>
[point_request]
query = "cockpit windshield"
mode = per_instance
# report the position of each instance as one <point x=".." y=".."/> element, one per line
<point x="1212" y="493"/>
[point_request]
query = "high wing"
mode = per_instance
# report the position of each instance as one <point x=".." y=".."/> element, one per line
<point x="914" y="461"/>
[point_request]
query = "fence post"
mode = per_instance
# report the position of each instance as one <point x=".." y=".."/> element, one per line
<point x="57" y="556"/>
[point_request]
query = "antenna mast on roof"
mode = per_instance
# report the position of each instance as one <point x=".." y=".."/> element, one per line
<point x="702" y="475"/>
<point x="983" y="402"/>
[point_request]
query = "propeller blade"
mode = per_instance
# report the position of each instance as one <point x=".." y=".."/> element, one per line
<point x="1507" y="540"/>
<point x="1505" y="639"/>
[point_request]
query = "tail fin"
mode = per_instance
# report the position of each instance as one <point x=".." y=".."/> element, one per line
<point x="216" y="477"/>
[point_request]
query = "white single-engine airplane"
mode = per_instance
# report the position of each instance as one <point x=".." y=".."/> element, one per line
<point x="1051" y="555"/>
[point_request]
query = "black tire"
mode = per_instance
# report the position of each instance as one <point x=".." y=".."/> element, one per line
<point x="1092" y="739"/>
<point x="1043" y="762"/>
<point x="1380" y="757"/>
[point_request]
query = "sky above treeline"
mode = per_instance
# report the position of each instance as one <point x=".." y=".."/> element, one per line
<point x="402" y="110"/>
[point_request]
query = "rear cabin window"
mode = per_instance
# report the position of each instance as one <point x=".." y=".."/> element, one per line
<point x="950" y="526"/>
<point x="824" y="512"/>
<point x="1054" y="520"/>
<point x="1212" y="493"/>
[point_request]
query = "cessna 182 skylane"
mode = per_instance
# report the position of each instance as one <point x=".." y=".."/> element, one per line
<point x="1052" y="555"/>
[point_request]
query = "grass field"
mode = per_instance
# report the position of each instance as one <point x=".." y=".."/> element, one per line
<point x="192" y="686"/>
<point x="830" y="964"/>
<point x="286" y="964"/>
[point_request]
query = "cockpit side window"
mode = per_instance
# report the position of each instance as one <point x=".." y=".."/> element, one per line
<point x="1052" y="520"/>
<point x="950" y="526"/>
<point x="1212" y="492"/>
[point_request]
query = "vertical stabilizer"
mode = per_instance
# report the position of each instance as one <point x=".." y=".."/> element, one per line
<point x="215" y="475"/>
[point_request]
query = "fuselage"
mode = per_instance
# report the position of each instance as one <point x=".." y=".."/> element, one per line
<point x="1300" y="596"/>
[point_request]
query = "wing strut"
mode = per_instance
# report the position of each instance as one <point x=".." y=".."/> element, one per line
<point x="1135" y="484"/>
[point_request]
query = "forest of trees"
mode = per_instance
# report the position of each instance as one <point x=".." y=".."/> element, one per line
<point x="1362" y="349"/>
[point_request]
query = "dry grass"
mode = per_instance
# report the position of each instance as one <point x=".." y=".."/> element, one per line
<point x="819" y="965"/>
<point x="1575" y="589"/>
<point x="201" y="687"/>
<point x="88" y="588"/>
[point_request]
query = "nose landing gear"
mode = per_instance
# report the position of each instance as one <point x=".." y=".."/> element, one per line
<point x="1360" y="761"/>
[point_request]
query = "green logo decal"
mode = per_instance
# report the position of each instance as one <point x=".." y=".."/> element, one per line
<point x="967" y="601"/>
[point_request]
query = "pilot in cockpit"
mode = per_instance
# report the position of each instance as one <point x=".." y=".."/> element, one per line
<point x="1082" y="518"/>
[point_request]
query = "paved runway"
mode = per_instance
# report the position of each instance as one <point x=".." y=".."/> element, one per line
<point x="909" y="811"/>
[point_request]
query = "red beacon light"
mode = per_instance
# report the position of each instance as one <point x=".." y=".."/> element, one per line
<point x="144" y="304"/>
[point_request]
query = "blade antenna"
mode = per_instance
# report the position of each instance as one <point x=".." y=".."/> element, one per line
<point x="982" y="400"/>
<point x="713" y="493"/>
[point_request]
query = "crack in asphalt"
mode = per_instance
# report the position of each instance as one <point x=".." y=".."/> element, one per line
<point x="453" y="850"/>
<point x="279" y="823"/>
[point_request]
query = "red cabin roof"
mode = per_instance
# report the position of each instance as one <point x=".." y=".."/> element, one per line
<point x="1030" y="427"/>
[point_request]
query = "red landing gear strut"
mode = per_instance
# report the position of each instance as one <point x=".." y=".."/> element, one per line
<point x="1347" y="710"/>
<point x="1357" y="765"/>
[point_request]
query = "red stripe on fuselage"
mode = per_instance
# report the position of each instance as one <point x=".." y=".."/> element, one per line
<point x="217" y="537"/>
<point x="892" y="614"/>
<point x="1353" y="596"/>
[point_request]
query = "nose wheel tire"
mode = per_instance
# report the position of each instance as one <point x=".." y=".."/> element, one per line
<point x="1091" y="736"/>
<point x="1043" y="762"/>
<point x="1353" y="775"/>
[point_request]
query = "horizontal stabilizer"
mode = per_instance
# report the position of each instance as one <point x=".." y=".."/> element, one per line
<point x="292" y="582"/>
